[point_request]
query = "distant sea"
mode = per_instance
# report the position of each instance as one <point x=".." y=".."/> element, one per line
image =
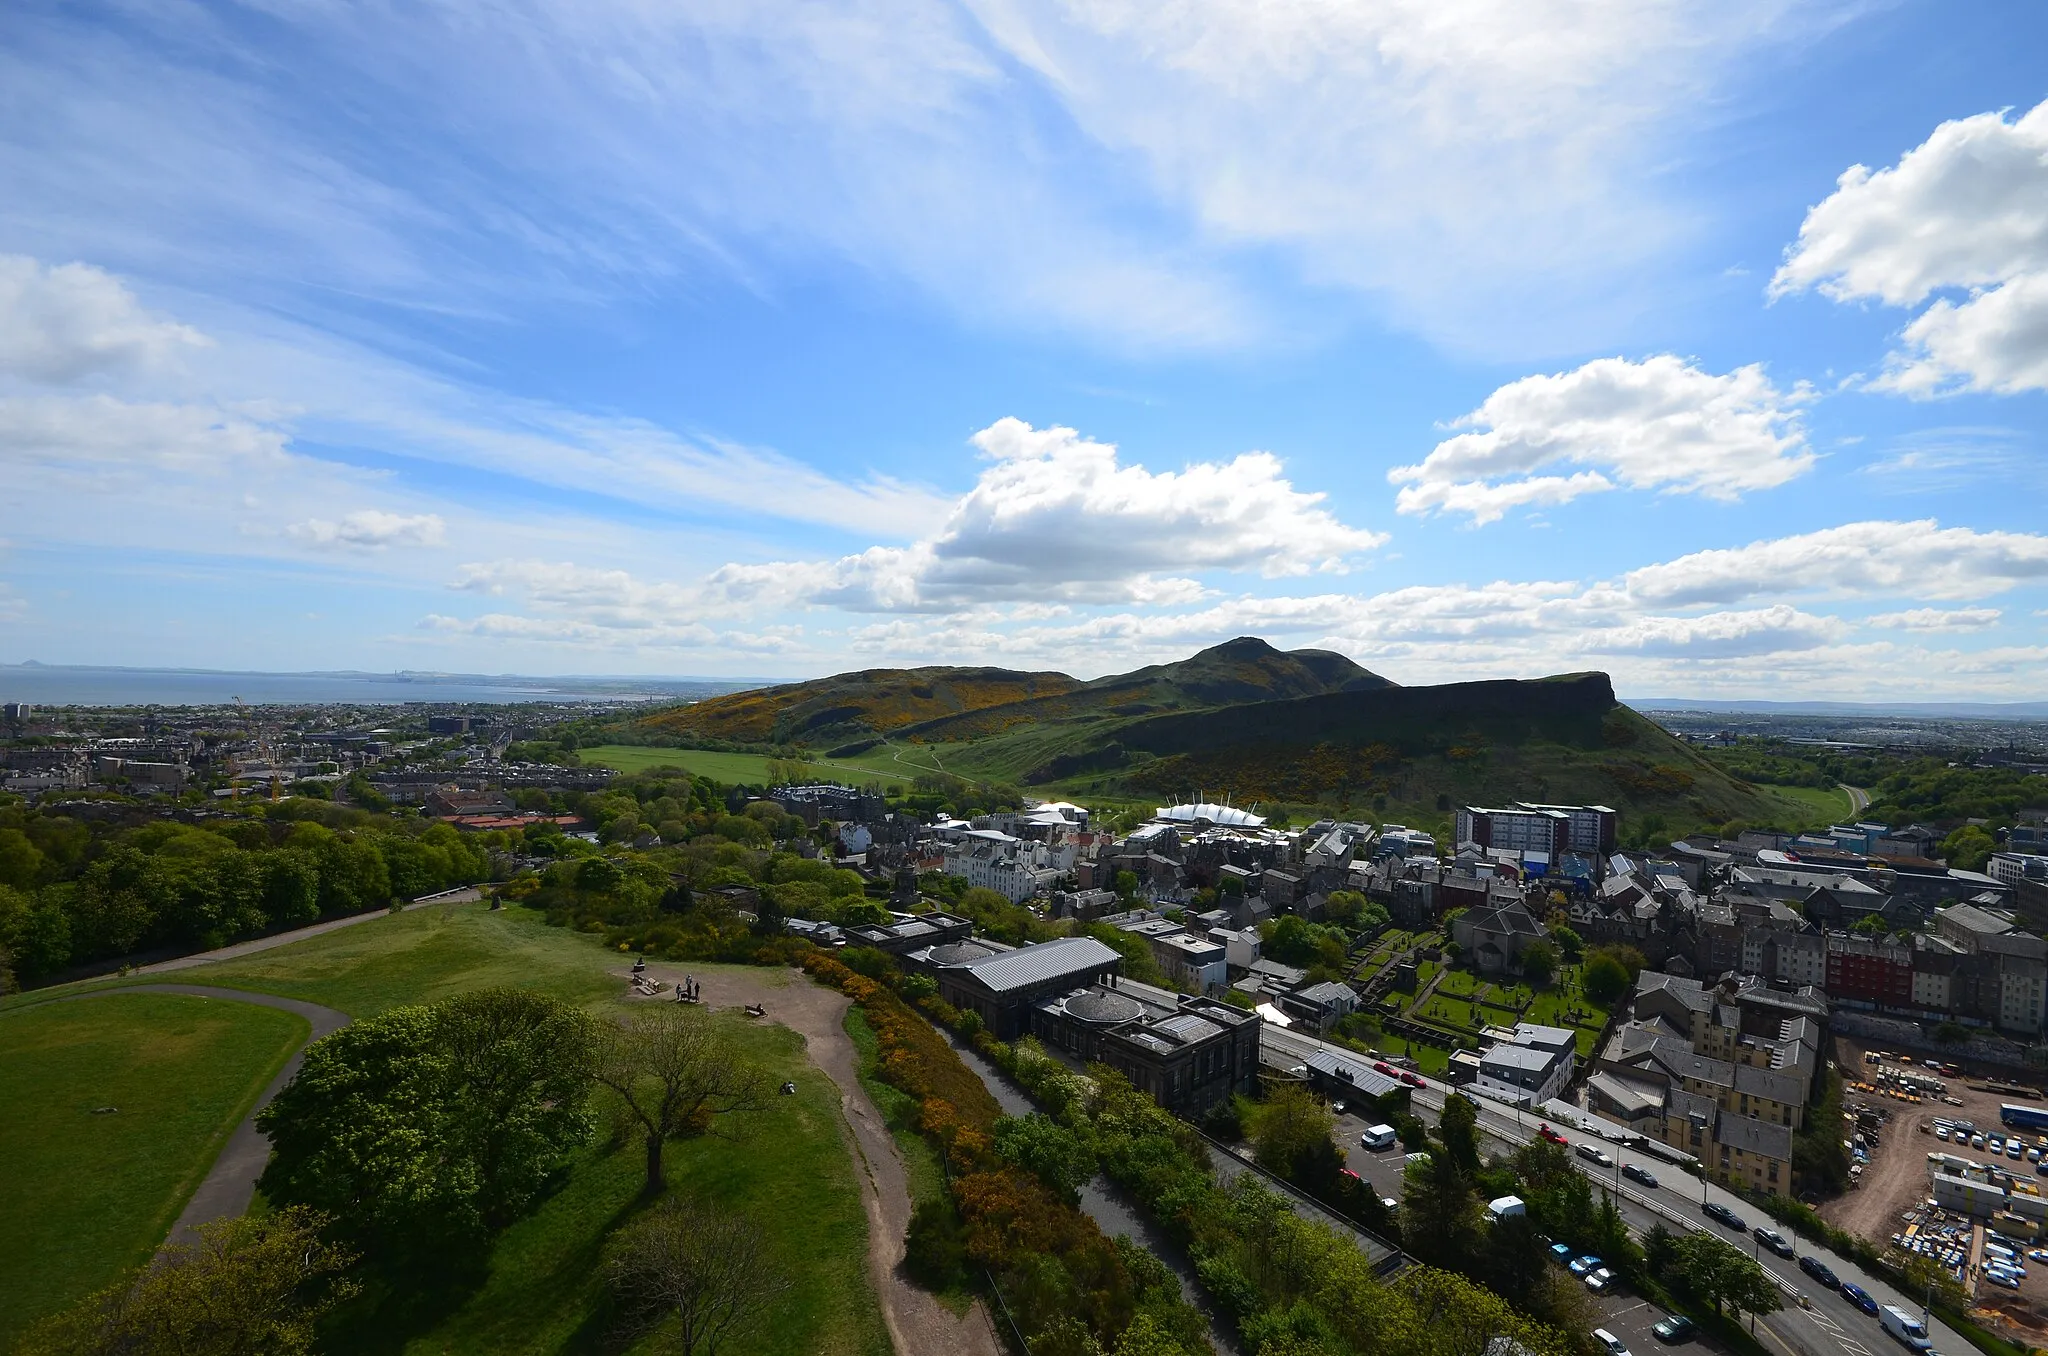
<point x="67" y="685"/>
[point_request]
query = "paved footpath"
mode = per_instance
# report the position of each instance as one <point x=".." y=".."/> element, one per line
<point x="231" y="1183"/>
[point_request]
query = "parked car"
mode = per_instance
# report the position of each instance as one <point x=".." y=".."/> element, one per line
<point x="1773" y="1240"/>
<point x="1593" y="1153"/>
<point x="1601" y="1281"/>
<point x="1820" y="1271"/>
<point x="1675" y="1328"/>
<point x="1562" y="1252"/>
<point x="1643" y="1175"/>
<point x="1413" y="1080"/>
<point x="2003" y="1278"/>
<point x="1346" y="1172"/>
<point x="1381" y="1066"/>
<point x="1581" y="1265"/>
<point x="1609" y="1343"/>
<point x="1859" y="1297"/>
<point x="1722" y="1215"/>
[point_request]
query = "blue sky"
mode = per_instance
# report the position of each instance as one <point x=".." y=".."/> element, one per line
<point x="1470" y="338"/>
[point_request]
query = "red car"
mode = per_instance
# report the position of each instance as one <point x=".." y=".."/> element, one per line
<point x="1383" y="1067"/>
<point x="1349" y="1173"/>
<point x="1412" y="1080"/>
<point x="1545" y="1132"/>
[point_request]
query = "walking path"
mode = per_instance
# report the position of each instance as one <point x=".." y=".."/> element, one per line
<point x="231" y="1183"/>
<point x="917" y="1322"/>
<point x="275" y="939"/>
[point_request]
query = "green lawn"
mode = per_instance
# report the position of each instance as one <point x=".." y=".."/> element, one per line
<point x="790" y="1170"/>
<point x="87" y="1195"/>
<point x="748" y="768"/>
<point x="1446" y="1011"/>
<point x="1458" y="984"/>
<point x="1821" y="807"/>
<point x="424" y="954"/>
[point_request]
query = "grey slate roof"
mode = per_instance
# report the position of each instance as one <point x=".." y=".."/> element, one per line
<point x="1364" y="1077"/>
<point x="1756" y="1137"/>
<point x="1064" y="957"/>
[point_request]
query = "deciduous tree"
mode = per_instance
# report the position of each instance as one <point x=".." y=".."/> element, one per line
<point x="708" y="1270"/>
<point x="253" y="1286"/>
<point x="676" y="1070"/>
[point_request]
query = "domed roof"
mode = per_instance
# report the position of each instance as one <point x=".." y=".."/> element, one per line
<point x="959" y="953"/>
<point x="1098" y="1005"/>
<point x="1208" y="811"/>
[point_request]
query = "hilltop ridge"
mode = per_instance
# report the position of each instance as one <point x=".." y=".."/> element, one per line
<point x="1299" y="727"/>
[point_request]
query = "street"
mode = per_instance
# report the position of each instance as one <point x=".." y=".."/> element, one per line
<point x="1831" y="1325"/>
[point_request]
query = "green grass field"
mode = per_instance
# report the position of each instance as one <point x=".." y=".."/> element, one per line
<point x="789" y="1169"/>
<point x="1822" y="807"/>
<point x="88" y="1195"/>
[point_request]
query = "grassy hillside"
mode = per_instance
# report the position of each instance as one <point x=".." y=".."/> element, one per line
<point x="1306" y="729"/>
<point x="849" y="707"/>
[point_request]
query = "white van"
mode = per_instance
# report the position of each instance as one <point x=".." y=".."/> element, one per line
<point x="1378" y="1137"/>
<point x="1904" y="1326"/>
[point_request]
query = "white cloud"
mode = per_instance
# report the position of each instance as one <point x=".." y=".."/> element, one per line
<point x="1936" y="619"/>
<point x="63" y="323"/>
<point x="373" y="530"/>
<point x="1962" y="211"/>
<point x="1058" y="517"/>
<point x="1769" y="630"/>
<point x="1902" y="559"/>
<point x="89" y="435"/>
<point x="1659" y="424"/>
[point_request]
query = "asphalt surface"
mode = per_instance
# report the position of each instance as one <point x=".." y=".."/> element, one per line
<point x="1832" y="1325"/>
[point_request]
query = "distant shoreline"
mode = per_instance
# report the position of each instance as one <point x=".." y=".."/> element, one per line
<point x="81" y="685"/>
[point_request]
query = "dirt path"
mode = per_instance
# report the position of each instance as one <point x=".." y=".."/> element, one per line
<point x="918" y="1323"/>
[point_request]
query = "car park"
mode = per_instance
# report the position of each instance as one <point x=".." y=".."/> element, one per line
<point x="1643" y="1175"/>
<point x="1593" y="1153"/>
<point x="1859" y="1297"/>
<point x="1722" y="1215"/>
<point x="1600" y="1281"/>
<point x="1581" y="1265"/>
<point x="1820" y="1271"/>
<point x="1773" y="1240"/>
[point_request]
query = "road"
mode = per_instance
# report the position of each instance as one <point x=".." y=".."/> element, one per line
<point x="1832" y="1325"/>
<point x="1858" y="799"/>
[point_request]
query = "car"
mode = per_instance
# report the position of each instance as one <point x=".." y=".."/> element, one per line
<point x="1562" y="1252"/>
<point x="1820" y="1271"/>
<point x="1601" y="1281"/>
<point x="1643" y="1175"/>
<point x="1609" y="1343"/>
<point x="1722" y="1215"/>
<point x="1545" y="1132"/>
<point x="1413" y="1080"/>
<point x="2003" y="1278"/>
<point x="1859" y="1297"/>
<point x="1381" y="1066"/>
<point x="1346" y="1172"/>
<point x="2012" y="1149"/>
<point x="1593" y="1153"/>
<point x="1941" y="1132"/>
<point x="1773" y="1240"/>
<point x="1581" y="1265"/>
<point x="2038" y="1254"/>
<point x="1389" y="1203"/>
<point x="1338" y="1108"/>
<point x="1976" y="1141"/>
<point x="1674" y="1328"/>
